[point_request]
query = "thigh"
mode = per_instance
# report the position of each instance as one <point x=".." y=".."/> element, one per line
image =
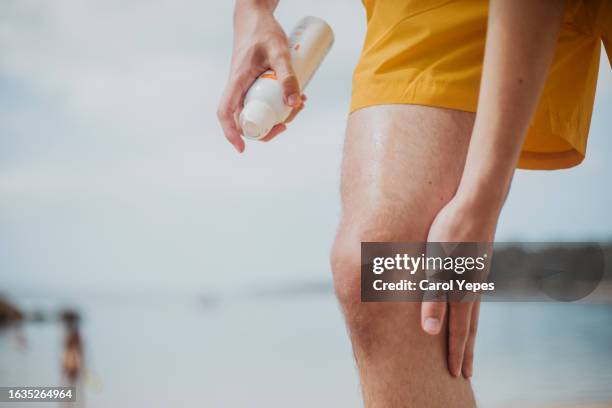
<point x="401" y="164"/>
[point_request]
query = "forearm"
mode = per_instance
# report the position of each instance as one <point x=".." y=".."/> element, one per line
<point x="521" y="39"/>
<point x="255" y="5"/>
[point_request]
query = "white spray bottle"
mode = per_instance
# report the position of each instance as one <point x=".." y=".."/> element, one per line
<point x="264" y="107"/>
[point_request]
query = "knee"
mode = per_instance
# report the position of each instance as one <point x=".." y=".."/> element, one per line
<point x="346" y="270"/>
<point x="346" y="257"/>
<point x="346" y="266"/>
<point x="378" y="226"/>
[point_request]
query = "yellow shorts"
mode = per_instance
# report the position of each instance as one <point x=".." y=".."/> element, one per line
<point x="430" y="52"/>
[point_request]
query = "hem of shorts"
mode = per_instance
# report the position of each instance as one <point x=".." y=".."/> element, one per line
<point x="528" y="160"/>
<point x="431" y="102"/>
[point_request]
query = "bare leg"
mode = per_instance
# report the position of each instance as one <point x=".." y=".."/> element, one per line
<point x="402" y="163"/>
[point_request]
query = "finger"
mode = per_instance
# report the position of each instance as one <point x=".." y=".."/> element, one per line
<point x="280" y="62"/>
<point x="232" y="133"/>
<point x="231" y="104"/>
<point x="297" y="110"/>
<point x="237" y="121"/>
<point x="432" y="316"/>
<point x="458" y="330"/>
<point x="468" y="355"/>
<point x="294" y="113"/>
<point x="230" y="129"/>
<point x="275" y="131"/>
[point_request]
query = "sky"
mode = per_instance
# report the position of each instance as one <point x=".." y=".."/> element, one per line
<point x="114" y="174"/>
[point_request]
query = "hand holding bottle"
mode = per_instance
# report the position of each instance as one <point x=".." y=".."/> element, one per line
<point x="259" y="44"/>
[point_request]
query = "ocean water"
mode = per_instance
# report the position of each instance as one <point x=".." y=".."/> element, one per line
<point x="292" y="351"/>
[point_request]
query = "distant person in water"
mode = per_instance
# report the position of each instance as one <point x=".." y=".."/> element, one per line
<point x="72" y="361"/>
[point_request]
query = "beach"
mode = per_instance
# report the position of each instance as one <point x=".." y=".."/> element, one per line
<point x="276" y="350"/>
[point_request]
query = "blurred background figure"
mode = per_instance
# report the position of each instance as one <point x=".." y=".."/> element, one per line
<point x="9" y="313"/>
<point x="72" y="360"/>
<point x="11" y="317"/>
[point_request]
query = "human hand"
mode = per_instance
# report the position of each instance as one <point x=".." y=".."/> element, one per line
<point x="259" y="44"/>
<point x="459" y="221"/>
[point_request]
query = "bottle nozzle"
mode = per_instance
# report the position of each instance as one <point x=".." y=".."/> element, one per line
<point x="256" y="119"/>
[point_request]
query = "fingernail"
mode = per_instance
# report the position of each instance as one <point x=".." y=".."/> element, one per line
<point x="294" y="100"/>
<point x="432" y="325"/>
<point x="237" y="148"/>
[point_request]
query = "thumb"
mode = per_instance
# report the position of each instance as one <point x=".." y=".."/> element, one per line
<point x="281" y="64"/>
<point x="432" y="316"/>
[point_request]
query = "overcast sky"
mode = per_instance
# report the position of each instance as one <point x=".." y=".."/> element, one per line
<point x="114" y="173"/>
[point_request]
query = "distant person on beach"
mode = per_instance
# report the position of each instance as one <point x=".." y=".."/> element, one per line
<point x="72" y="360"/>
<point x="449" y="97"/>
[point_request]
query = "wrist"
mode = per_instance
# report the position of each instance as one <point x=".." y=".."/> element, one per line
<point x="248" y="12"/>
<point x="488" y="170"/>
<point x="483" y="194"/>
<point x="265" y="6"/>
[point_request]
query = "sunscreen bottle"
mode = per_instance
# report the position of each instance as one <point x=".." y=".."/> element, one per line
<point x="264" y="107"/>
